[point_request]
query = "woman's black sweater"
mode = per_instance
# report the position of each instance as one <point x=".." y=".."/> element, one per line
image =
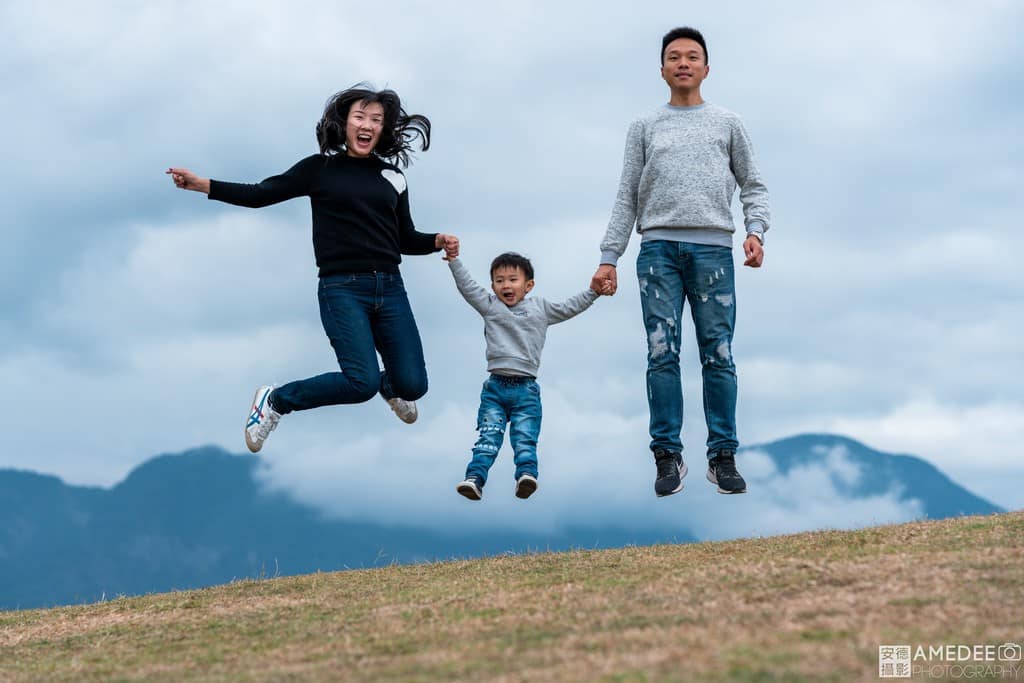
<point x="361" y="220"/>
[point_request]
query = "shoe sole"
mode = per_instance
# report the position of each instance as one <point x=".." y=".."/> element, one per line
<point x="469" y="491"/>
<point x="254" y="448"/>
<point x="525" y="488"/>
<point x="683" y="470"/>
<point x="714" y="480"/>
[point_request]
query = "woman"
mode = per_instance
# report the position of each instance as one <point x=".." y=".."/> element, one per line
<point x="361" y="227"/>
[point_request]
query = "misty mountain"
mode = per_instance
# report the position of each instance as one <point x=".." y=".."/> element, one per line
<point x="202" y="518"/>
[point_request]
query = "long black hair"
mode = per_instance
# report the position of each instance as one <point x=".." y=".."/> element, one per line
<point x="397" y="134"/>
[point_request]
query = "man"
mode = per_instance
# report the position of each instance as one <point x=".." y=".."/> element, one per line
<point x="681" y="167"/>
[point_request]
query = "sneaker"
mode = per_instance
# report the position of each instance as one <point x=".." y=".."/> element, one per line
<point x="405" y="410"/>
<point x="262" y="419"/>
<point x="671" y="470"/>
<point x="525" y="486"/>
<point x="722" y="471"/>
<point x="471" y="488"/>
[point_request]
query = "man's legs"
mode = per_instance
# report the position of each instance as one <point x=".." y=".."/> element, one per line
<point x="658" y="270"/>
<point x="711" y="290"/>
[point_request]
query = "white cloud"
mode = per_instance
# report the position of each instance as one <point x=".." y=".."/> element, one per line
<point x="887" y="310"/>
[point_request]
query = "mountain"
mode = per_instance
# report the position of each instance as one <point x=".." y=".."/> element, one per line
<point x="860" y="472"/>
<point x="202" y="518"/>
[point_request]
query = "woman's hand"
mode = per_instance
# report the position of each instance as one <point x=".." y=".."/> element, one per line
<point x="187" y="180"/>
<point x="450" y="244"/>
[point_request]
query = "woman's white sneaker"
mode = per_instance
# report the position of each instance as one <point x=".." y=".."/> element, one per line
<point x="405" y="410"/>
<point x="262" y="419"/>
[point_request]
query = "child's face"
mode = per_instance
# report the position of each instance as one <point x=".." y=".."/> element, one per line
<point x="510" y="284"/>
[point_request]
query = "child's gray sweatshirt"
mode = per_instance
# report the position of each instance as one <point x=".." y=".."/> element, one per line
<point x="515" y="334"/>
<point x="679" y="173"/>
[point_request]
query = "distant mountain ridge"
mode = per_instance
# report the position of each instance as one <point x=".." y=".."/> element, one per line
<point x="201" y="518"/>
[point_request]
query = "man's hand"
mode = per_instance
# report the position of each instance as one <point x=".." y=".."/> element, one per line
<point x="450" y="244"/>
<point x="754" y="252"/>
<point x="605" y="280"/>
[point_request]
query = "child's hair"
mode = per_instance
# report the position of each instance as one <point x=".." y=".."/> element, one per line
<point x="510" y="259"/>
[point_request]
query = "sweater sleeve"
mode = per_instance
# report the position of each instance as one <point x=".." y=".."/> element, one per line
<point x="475" y="295"/>
<point x="753" y="193"/>
<point x="411" y="241"/>
<point x="620" y="226"/>
<point x="573" y="306"/>
<point x="295" y="182"/>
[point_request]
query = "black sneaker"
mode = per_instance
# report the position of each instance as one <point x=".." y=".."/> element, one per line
<point x="722" y="471"/>
<point x="472" y="487"/>
<point x="671" y="470"/>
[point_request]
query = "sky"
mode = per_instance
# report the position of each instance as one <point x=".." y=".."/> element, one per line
<point x="137" y="319"/>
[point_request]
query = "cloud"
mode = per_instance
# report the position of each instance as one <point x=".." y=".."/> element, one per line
<point x="592" y="474"/>
<point x="138" y="319"/>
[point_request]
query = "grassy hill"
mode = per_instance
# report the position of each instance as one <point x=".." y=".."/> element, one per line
<point x="811" y="606"/>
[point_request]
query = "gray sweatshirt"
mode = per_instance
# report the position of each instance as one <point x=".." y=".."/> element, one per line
<point x="515" y="334"/>
<point x="679" y="174"/>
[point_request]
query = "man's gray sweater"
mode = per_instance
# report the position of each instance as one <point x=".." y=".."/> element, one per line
<point x="515" y="334"/>
<point x="679" y="173"/>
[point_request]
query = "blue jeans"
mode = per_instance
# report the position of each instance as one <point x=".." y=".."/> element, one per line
<point x="669" y="274"/>
<point x="362" y="314"/>
<point x="503" y="401"/>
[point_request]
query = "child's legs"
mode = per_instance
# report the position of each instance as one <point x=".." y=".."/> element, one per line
<point x="525" y="427"/>
<point x="346" y="303"/>
<point x="398" y="341"/>
<point x="490" y="423"/>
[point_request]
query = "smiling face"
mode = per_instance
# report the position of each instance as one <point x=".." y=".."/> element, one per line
<point x="510" y="284"/>
<point x="683" y="65"/>
<point x="362" y="128"/>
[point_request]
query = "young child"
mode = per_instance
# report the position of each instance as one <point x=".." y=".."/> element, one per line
<point x="515" y="328"/>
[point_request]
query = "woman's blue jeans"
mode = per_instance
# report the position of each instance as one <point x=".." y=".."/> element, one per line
<point x="505" y="401"/>
<point x="363" y="314"/>
<point x="671" y="273"/>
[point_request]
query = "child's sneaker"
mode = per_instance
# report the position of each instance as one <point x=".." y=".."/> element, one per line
<point x="262" y="419"/>
<point x="722" y="471"/>
<point x="526" y="484"/>
<point x="471" y="488"/>
<point x="405" y="410"/>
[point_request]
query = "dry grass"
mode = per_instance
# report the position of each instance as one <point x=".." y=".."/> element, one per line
<point x="812" y="606"/>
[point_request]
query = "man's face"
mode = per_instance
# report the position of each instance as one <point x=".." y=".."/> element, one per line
<point x="510" y="284"/>
<point x="683" y="66"/>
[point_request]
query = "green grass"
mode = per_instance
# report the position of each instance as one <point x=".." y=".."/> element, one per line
<point x="806" y="607"/>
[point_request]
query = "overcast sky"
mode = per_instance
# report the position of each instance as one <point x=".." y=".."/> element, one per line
<point x="138" y="319"/>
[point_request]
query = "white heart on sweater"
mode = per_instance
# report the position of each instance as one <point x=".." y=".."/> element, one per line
<point x="396" y="179"/>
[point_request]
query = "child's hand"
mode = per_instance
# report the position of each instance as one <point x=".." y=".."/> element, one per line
<point x="450" y="244"/>
<point x="602" y="288"/>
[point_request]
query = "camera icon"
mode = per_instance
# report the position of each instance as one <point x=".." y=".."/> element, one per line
<point x="1010" y="652"/>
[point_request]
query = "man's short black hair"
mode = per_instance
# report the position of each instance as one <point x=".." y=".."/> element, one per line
<point x="684" y="32"/>
<point x="510" y="259"/>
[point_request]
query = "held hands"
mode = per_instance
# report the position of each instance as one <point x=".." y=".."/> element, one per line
<point x="754" y="252"/>
<point x="187" y="180"/>
<point x="605" y="281"/>
<point x="450" y="244"/>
